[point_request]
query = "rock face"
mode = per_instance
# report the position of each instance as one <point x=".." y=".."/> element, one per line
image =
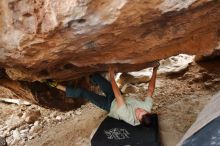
<point x="67" y="39"/>
<point x="64" y="40"/>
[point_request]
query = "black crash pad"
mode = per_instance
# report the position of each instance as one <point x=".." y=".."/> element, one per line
<point x="209" y="135"/>
<point x="114" y="132"/>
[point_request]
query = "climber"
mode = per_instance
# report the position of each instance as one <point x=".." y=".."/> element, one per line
<point x="128" y="109"/>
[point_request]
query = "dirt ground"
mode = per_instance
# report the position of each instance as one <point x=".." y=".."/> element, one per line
<point x="178" y="98"/>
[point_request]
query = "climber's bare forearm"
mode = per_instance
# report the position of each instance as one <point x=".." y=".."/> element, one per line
<point x="61" y="87"/>
<point x="151" y="86"/>
<point x="117" y="93"/>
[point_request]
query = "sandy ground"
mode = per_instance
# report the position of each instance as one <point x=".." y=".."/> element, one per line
<point x="178" y="98"/>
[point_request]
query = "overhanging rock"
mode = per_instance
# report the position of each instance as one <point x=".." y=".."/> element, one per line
<point x="67" y="39"/>
<point x="64" y="40"/>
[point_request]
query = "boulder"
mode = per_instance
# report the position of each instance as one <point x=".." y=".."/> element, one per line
<point x="31" y="116"/>
<point x="16" y="134"/>
<point x="129" y="88"/>
<point x="65" y="40"/>
<point x="132" y="78"/>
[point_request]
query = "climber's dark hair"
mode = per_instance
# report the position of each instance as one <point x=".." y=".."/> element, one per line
<point x="146" y="119"/>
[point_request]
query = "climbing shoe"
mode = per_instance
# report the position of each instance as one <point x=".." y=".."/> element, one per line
<point x="51" y="83"/>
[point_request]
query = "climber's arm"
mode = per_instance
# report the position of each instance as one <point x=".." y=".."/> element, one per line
<point x="151" y="85"/>
<point x="118" y="96"/>
<point x="61" y="87"/>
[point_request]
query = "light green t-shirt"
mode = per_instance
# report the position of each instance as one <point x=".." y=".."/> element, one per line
<point x="127" y="111"/>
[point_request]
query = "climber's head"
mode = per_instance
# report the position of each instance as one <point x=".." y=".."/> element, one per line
<point x="143" y="116"/>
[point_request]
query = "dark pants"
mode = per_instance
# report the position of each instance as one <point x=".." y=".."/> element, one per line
<point x="103" y="102"/>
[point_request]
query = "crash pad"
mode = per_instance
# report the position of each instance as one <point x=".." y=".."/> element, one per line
<point x="113" y="132"/>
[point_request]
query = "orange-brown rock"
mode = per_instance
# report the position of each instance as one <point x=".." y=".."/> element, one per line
<point x="64" y="40"/>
